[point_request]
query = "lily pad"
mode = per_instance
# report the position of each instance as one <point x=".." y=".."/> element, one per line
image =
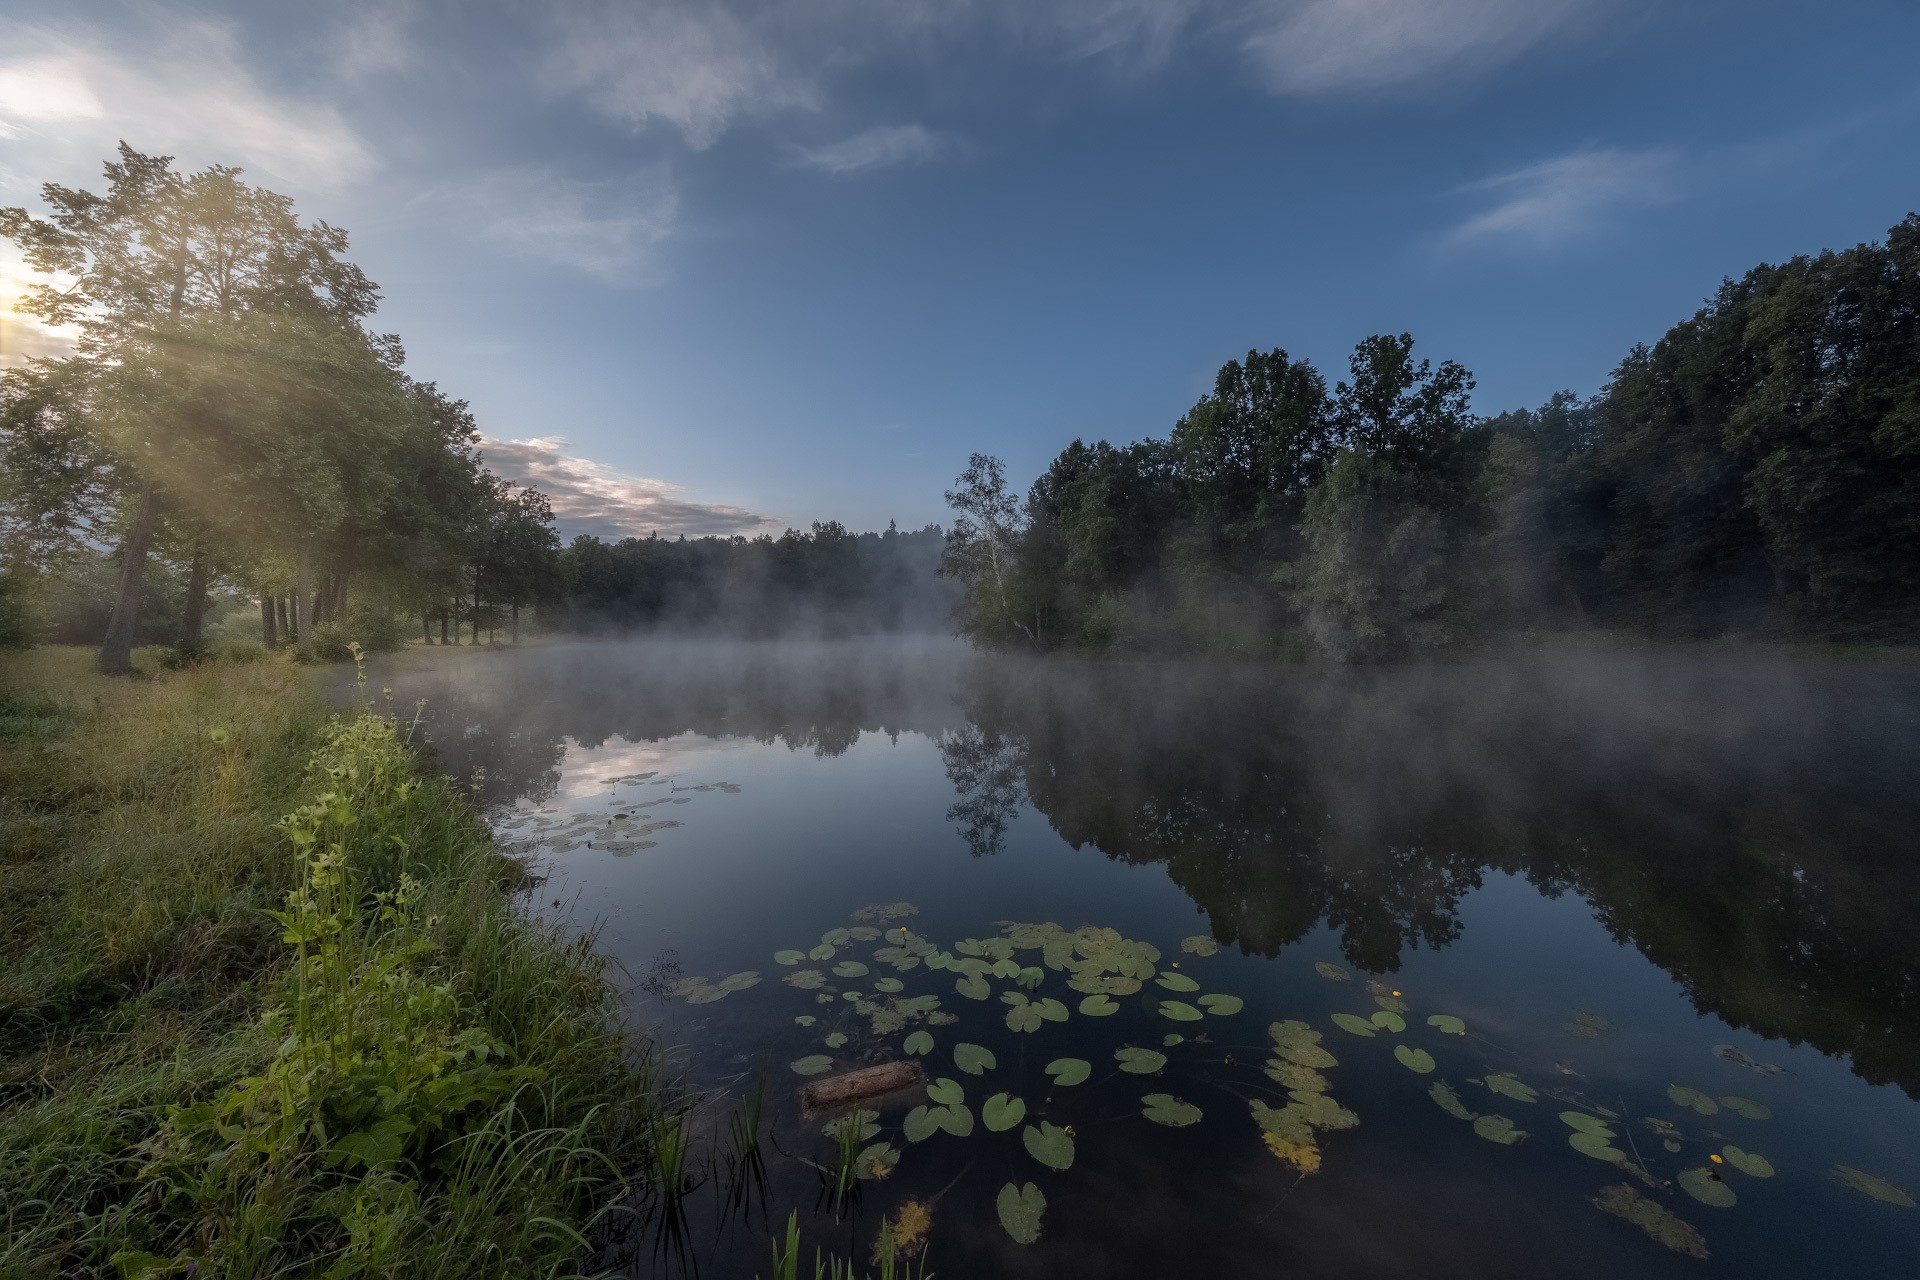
<point x="1598" y="1145"/>
<point x="1180" y="1011"/>
<point x="920" y="1043"/>
<point x="1171" y="1039"/>
<point x="1299" y="1043"/>
<point x="1020" y="1209"/>
<point x="1199" y="945"/>
<point x="822" y="952"/>
<point x="1331" y="971"/>
<point x="1416" y="1060"/>
<point x="739" y="981"/>
<point x="850" y="969"/>
<point x="1660" y="1224"/>
<point x="972" y="987"/>
<point x="1447" y="1024"/>
<point x="1049" y="1144"/>
<point x="1747" y="1162"/>
<point x="1291" y="1075"/>
<point x="1868" y="1184"/>
<point x="1052" y="1010"/>
<point x="1098" y="1006"/>
<point x="805" y="979"/>
<point x="1177" y="981"/>
<point x="1448" y="1101"/>
<point x="789" y="957"/>
<point x="836" y="937"/>
<point x="1031" y="977"/>
<point x="1682" y="1096"/>
<point x="1024" y="1017"/>
<point x="1001" y="1112"/>
<point x="1222" y="1006"/>
<point x="1708" y="1189"/>
<point x="1498" y="1129"/>
<point x="1353" y="1022"/>
<point x="1392" y="1004"/>
<point x="813" y="1064"/>
<point x="835" y="1039"/>
<point x="946" y="1091"/>
<point x="1509" y="1085"/>
<point x="1747" y="1108"/>
<point x="956" y="1119"/>
<point x="1585" y="1123"/>
<point x="1390" y="1020"/>
<point x="889" y="985"/>
<point x="972" y="1059"/>
<point x="1069" y="1071"/>
<point x="1164" y="1108"/>
<point x="860" y="1123"/>
<point x="806" y="1020"/>
<point x="1140" y="1062"/>
<point x="921" y="1123"/>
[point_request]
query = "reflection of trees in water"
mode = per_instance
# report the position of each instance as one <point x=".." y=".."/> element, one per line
<point x="1749" y="830"/>
<point x="984" y="768"/>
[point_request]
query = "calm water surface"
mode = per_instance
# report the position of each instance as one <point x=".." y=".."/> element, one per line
<point x="1621" y="872"/>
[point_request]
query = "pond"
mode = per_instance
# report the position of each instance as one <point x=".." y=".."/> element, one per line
<point x="1554" y="963"/>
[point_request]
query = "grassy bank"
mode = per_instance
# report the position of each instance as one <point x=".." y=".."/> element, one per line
<point x="265" y="1006"/>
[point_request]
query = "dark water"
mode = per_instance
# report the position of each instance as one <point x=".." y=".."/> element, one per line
<point x="1622" y="872"/>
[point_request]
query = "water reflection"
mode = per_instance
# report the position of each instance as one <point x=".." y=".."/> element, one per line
<point x="1747" y="824"/>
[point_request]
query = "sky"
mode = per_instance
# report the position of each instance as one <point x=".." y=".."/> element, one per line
<point x="724" y="267"/>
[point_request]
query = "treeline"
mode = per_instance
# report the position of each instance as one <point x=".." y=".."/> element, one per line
<point x="1755" y="472"/>
<point x="825" y="582"/>
<point x="228" y="422"/>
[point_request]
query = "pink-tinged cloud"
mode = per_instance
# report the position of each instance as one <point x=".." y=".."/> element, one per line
<point x="592" y="498"/>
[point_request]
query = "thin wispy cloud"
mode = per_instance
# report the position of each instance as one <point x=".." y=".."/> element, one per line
<point x="592" y="498"/>
<point x="67" y="101"/>
<point x="877" y="148"/>
<point x="1321" y="46"/>
<point x="1554" y="201"/>
<point x="610" y="228"/>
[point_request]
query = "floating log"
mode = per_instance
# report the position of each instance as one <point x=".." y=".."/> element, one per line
<point x="867" y="1082"/>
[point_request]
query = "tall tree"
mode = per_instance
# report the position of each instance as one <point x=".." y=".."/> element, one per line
<point x="982" y="545"/>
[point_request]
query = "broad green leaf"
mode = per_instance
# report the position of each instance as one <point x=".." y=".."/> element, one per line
<point x="822" y="952"/>
<point x="1024" y="1017"/>
<point x="1447" y="1024"/>
<point x="1020" y="1209"/>
<point x="835" y="1039"/>
<point x="972" y="1059"/>
<point x="1508" y="1084"/>
<point x="1416" y="1060"/>
<point x="1331" y="971"/>
<point x="1703" y="1185"/>
<point x="860" y="1123"/>
<point x="1222" y="1006"/>
<point x="850" y="969"/>
<point x="836" y="937"/>
<point x="1747" y="1108"/>
<point x="1141" y="1062"/>
<point x="1172" y="1038"/>
<point x="805" y="979"/>
<point x="1498" y="1129"/>
<point x="739" y="981"/>
<point x="1180" y="1011"/>
<point x="1098" y="1006"/>
<point x="920" y="1124"/>
<point x="1164" y="1108"/>
<point x="813" y="1064"/>
<point x="889" y="985"/>
<point x="1390" y="1020"/>
<point x="1001" y="1112"/>
<point x="1353" y="1022"/>
<point x="956" y="1119"/>
<point x="946" y="1092"/>
<point x="1392" y="1004"/>
<point x="1031" y="977"/>
<point x="1049" y="1144"/>
<point x="1448" y="1101"/>
<point x="1052" y="1010"/>
<point x="1586" y="1124"/>
<point x="1868" y="1184"/>
<point x="920" y="1043"/>
<point x="1005" y="969"/>
<point x="806" y="1020"/>
<point x="1682" y="1096"/>
<point x="1748" y="1162"/>
<point x="1199" y="945"/>
<point x="1177" y="981"/>
<point x="1598" y="1145"/>
<point x="973" y="988"/>
<point x="876" y="1161"/>
<point x="1069" y="1071"/>
<point x="789" y="957"/>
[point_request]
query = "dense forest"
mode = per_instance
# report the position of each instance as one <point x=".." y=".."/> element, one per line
<point x="1754" y="472"/>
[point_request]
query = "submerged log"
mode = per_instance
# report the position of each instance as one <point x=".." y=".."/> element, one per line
<point x="868" y="1082"/>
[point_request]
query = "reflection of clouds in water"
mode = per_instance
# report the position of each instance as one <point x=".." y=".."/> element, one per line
<point x="585" y="771"/>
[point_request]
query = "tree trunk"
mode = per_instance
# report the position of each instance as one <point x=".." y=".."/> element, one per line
<point x="426" y="626"/>
<point x="304" y="598"/>
<point x="443" y="627"/>
<point x="516" y="622"/>
<point x="286" y="622"/>
<point x="267" y="636"/>
<point x="116" y="651"/>
<point x="476" y="604"/>
<point x="193" y="619"/>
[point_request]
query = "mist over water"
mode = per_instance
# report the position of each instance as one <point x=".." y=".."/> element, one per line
<point x="1624" y="870"/>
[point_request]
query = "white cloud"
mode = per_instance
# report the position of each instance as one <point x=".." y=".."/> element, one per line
<point x="1321" y="46"/>
<point x="593" y="498"/>
<point x="605" y="228"/>
<point x="873" y="149"/>
<point x="66" y="102"/>
<point x="1560" y="198"/>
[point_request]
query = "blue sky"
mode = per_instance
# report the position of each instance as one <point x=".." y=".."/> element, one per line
<point x="722" y="266"/>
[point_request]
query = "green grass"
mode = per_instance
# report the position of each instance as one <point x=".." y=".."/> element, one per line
<point x="442" y="1092"/>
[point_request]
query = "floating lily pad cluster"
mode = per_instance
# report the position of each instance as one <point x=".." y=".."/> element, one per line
<point x="697" y="990"/>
